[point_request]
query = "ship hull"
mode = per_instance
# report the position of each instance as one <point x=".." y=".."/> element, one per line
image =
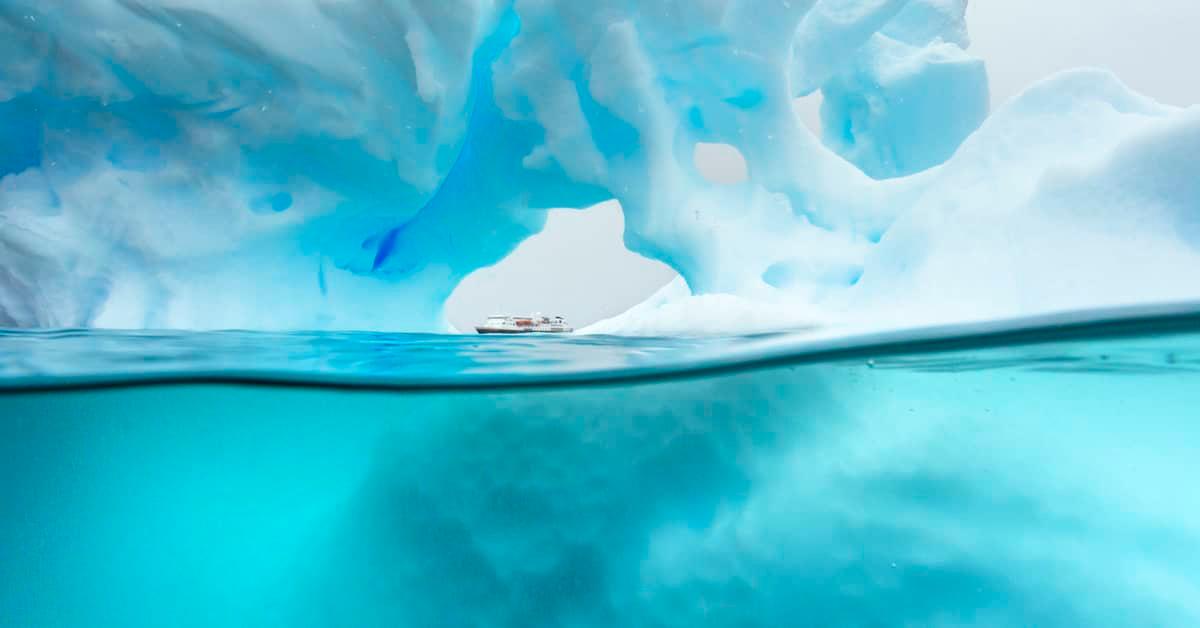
<point x="536" y="324"/>
<point x="494" y="330"/>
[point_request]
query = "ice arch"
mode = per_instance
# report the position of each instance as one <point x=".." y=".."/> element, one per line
<point x="194" y="163"/>
<point x="577" y="267"/>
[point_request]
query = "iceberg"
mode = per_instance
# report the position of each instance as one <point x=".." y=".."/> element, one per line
<point x="340" y="164"/>
<point x="991" y="484"/>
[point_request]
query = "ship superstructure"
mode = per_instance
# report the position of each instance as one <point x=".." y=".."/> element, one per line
<point x="505" y="324"/>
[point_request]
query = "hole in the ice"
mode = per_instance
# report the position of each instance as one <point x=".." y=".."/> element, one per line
<point x="577" y="267"/>
<point x="722" y="164"/>
<point x="808" y="110"/>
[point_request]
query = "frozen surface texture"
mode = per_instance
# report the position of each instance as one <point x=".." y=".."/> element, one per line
<point x="322" y="163"/>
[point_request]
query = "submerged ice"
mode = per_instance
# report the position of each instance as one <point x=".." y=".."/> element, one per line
<point x="1013" y="486"/>
<point x="191" y="163"/>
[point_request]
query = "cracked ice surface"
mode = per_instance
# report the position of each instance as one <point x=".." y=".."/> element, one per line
<point x="194" y="163"/>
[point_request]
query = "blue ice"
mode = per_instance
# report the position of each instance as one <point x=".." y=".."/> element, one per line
<point x="194" y="163"/>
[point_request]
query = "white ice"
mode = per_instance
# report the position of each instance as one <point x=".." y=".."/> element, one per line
<point x="342" y="164"/>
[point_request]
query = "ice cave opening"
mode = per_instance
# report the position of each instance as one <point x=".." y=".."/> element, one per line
<point x="555" y="272"/>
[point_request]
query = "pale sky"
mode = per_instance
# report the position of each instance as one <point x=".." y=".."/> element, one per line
<point x="579" y="268"/>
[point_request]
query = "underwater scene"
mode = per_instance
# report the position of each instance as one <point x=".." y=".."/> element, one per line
<point x="1020" y="475"/>
<point x="599" y="313"/>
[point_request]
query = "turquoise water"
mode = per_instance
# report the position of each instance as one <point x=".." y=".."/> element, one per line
<point x="1026" y="473"/>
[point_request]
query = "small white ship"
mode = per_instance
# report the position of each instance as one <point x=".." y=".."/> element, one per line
<point x="535" y="324"/>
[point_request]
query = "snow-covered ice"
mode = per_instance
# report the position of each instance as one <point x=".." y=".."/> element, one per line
<point x="337" y="164"/>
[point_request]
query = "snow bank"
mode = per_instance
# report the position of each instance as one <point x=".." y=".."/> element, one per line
<point x="1078" y="194"/>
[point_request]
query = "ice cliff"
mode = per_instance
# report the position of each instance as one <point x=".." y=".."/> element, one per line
<point x="339" y="163"/>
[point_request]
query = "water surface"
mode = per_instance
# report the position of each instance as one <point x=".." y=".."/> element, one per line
<point x="1029" y="473"/>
